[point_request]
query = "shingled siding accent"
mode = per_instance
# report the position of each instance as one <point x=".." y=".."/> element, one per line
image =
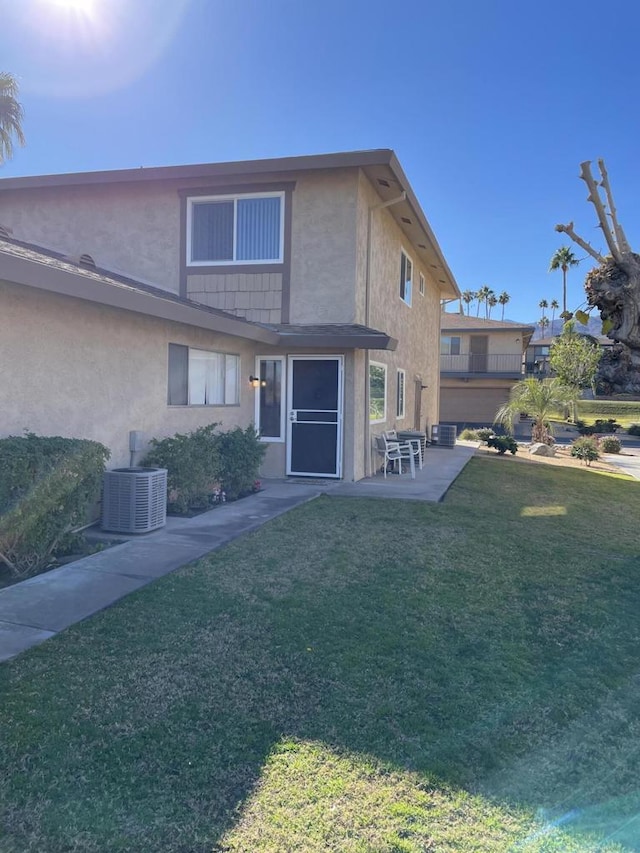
<point x="254" y="296"/>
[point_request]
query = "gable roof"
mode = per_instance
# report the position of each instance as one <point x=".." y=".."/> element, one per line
<point x="380" y="165"/>
<point x="463" y="323"/>
<point x="34" y="266"/>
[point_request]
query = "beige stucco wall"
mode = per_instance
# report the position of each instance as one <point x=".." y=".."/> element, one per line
<point x="500" y="343"/>
<point x="87" y="371"/>
<point x="81" y="370"/>
<point x="508" y="343"/>
<point x="127" y="228"/>
<point x="135" y="229"/>
<point x="416" y="327"/>
<point x="323" y="247"/>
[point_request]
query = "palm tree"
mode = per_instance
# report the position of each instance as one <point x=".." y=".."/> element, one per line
<point x="492" y="301"/>
<point x="11" y="115"/>
<point x="502" y="300"/>
<point x="541" y="400"/>
<point x="562" y="260"/>
<point x="482" y="295"/>
<point x="467" y="297"/>
<point x="544" y="305"/>
<point x="554" y="307"/>
<point x="544" y="322"/>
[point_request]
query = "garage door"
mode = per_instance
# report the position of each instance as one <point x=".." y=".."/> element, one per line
<point x="471" y="405"/>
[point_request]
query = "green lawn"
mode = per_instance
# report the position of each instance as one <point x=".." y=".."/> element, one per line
<point x="624" y="411"/>
<point x="358" y="675"/>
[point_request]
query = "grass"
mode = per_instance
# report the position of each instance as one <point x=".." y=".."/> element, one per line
<point x="625" y="412"/>
<point x="358" y="675"/>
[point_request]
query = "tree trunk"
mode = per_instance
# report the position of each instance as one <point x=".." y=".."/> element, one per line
<point x="615" y="290"/>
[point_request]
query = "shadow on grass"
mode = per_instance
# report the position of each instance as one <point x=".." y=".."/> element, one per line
<point x="475" y="647"/>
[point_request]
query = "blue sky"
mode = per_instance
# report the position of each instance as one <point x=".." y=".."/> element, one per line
<point x="490" y="106"/>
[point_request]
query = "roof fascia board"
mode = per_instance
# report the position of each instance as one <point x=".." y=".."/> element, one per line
<point x="67" y="283"/>
<point x="487" y="329"/>
<point x="376" y="157"/>
<point x="381" y="342"/>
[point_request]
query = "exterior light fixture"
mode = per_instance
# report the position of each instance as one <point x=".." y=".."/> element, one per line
<point x="256" y="382"/>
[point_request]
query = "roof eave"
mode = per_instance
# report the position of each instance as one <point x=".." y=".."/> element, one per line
<point x="451" y="289"/>
<point x="347" y="159"/>
<point x="338" y="341"/>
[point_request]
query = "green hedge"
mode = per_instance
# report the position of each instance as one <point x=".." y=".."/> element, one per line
<point x="240" y="453"/>
<point x="202" y="461"/>
<point x="191" y="460"/>
<point x="47" y="488"/>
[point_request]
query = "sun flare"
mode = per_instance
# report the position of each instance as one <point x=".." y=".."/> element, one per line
<point x="86" y="6"/>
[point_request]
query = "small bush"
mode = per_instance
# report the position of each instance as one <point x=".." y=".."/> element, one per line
<point x="634" y="429"/>
<point x="610" y="444"/>
<point x="204" y="464"/>
<point x="484" y="434"/>
<point x="469" y="435"/>
<point x="600" y="426"/>
<point x="502" y="443"/>
<point x="192" y="464"/>
<point x="48" y="487"/>
<point x="240" y="453"/>
<point x="585" y="449"/>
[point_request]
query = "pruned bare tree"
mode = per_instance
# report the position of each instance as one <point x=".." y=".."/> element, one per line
<point x="613" y="287"/>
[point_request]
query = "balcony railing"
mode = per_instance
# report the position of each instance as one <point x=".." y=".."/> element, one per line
<point x="467" y="363"/>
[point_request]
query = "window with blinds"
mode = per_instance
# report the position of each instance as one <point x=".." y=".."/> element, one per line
<point x="246" y="229"/>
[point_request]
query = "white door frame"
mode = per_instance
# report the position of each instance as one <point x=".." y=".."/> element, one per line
<point x="291" y="415"/>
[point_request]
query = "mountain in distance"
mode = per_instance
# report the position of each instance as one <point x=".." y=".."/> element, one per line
<point x="593" y="327"/>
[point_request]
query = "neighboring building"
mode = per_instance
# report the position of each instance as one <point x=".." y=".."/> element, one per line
<point x="163" y="290"/>
<point x="480" y="360"/>
<point x="538" y="351"/>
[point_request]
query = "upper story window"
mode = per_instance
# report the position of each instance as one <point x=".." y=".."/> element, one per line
<point x="421" y="284"/>
<point x="239" y="229"/>
<point x="449" y="345"/>
<point x="406" y="275"/>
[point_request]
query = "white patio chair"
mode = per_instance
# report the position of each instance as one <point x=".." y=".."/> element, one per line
<point x="416" y="444"/>
<point x="395" y="452"/>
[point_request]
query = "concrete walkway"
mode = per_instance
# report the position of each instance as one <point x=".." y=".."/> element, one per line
<point x="628" y="461"/>
<point x="39" y="608"/>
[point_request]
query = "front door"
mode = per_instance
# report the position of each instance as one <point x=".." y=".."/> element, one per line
<point x="478" y="353"/>
<point x="314" y="425"/>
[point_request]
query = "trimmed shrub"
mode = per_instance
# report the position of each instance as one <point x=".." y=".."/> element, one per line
<point x="48" y="487"/>
<point x="585" y="449"/>
<point x="485" y="434"/>
<point x="240" y="453"/>
<point x="192" y="464"/>
<point x="600" y="426"/>
<point x="634" y="429"/>
<point x="610" y="444"/>
<point x="469" y="435"/>
<point x="502" y="443"/>
<point x="205" y="464"/>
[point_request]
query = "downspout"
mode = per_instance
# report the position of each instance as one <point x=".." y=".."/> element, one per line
<point x="367" y="320"/>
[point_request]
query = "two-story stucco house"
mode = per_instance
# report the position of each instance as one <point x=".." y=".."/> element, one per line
<point x="480" y="361"/>
<point x="300" y="294"/>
